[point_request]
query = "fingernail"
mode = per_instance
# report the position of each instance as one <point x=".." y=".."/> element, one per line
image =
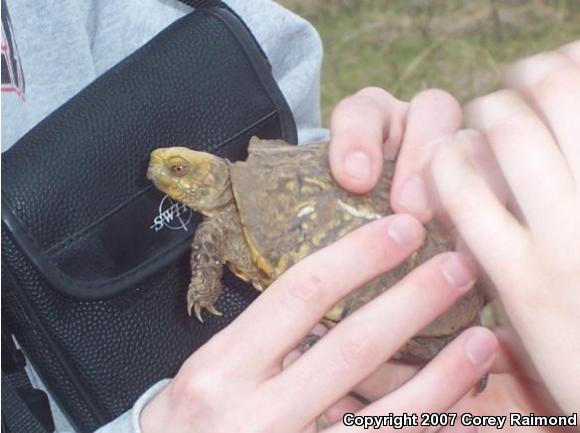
<point x="358" y="165"/>
<point x="414" y="195"/>
<point x="480" y="347"/>
<point x="404" y="229"/>
<point x="458" y="271"/>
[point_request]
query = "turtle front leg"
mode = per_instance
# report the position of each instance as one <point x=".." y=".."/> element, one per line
<point x="206" y="270"/>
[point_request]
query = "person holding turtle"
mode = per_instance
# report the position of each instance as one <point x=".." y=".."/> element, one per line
<point x="509" y="187"/>
<point x="510" y="190"/>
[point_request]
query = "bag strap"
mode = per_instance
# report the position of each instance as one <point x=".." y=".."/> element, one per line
<point x="24" y="408"/>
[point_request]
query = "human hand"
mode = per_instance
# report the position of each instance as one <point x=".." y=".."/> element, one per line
<point x="529" y="137"/>
<point x="514" y="387"/>
<point x="235" y="382"/>
<point x="372" y="125"/>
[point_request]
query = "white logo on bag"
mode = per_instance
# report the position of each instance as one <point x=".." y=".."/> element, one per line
<point x="172" y="214"/>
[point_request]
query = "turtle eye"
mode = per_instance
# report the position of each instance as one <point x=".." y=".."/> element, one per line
<point x="178" y="169"/>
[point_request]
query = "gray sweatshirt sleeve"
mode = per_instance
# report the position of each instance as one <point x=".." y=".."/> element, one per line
<point x="129" y="421"/>
<point x="90" y="36"/>
<point x="103" y="33"/>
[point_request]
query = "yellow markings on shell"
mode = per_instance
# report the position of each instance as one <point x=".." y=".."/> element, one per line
<point x="305" y="211"/>
<point x="258" y="260"/>
<point x="281" y="266"/>
<point x="305" y="208"/>
<point x="318" y="236"/>
<point x="302" y="252"/>
<point x="413" y="258"/>
<point x="317" y="182"/>
<point x="291" y="185"/>
<point x="312" y="185"/>
<point x="305" y="189"/>
<point x="336" y="313"/>
<point x="359" y="213"/>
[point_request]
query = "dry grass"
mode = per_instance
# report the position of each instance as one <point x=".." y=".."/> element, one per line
<point x="409" y="45"/>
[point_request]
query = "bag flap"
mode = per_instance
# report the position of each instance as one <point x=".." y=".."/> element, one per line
<point x="75" y="196"/>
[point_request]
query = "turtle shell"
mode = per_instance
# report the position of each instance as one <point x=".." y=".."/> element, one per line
<point x="290" y="206"/>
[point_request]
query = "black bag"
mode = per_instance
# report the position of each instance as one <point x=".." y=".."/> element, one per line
<point x="95" y="259"/>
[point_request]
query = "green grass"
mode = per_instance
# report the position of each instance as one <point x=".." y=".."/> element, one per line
<point x="409" y="45"/>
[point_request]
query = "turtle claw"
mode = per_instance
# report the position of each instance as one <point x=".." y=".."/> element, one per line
<point x="213" y="310"/>
<point x="191" y="305"/>
<point x="197" y="309"/>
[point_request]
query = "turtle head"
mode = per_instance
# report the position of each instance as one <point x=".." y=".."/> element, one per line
<point x="198" y="179"/>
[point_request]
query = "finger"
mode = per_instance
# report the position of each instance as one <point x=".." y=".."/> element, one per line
<point x="442" y="382"/>
<point x="482" y="159"/>
<point x="525" y="151"/>
<point x="312" y="428"/>
<point x="476" y="213"/>
<point x="453" y="373"/>
<point x="512" y="357"/>
<point x="485" y="163"/>
<point x="363" y="126"/>
<point x="572" y="51"/>
<point x="432" y="115"/>
<point x="346" y="404"/>
<point x="282" y="316"/>
<point x="550" y="82"/>
<point x="388" y="377"/>
<point x="365" y="339"/>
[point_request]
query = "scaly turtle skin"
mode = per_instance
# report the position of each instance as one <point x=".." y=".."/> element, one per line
<point x="265" y="214"/>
